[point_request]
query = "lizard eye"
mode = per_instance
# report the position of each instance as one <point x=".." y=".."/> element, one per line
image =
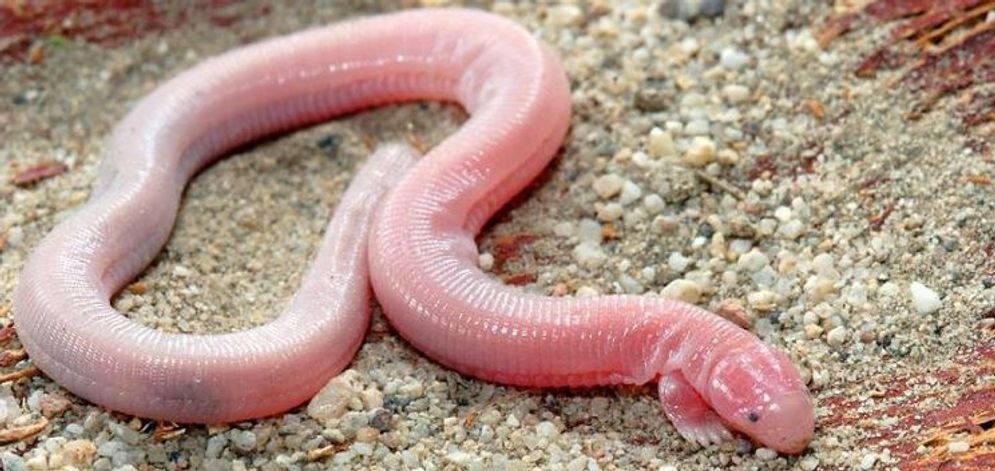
<point x="753" y="416"/>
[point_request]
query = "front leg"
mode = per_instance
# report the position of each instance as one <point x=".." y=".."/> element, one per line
<point x="693" y="418"/>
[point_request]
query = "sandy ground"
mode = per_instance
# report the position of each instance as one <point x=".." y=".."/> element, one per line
<point x="731" y="161"/>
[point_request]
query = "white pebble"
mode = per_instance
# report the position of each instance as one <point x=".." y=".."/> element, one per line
<point x="678" y="262"/>
<point x="740" y="246"/>
<point x="752" y="261"/>
<point x="459" y="457"/>
<point x="697" y="127"/>
<point x="642" y="160"/>
<point x="608" y="185"/>
<point x="762" y="300"/>
<point x="564" y="15"/>
<point x="630" y="285"/>
<point x="701" y="152"/>
<point x="586" y="292"/>
<point x="661" y="144"/>
<point x="589" y="230"/>
<point x="823" y="264"/>
<point x="766" y="454"/>
<point x="837" y="336"/>
<point x="563" y="229"/>
<point x="630" y="192"/>
<point x="547" y="429"/>
<point x="485" y="261"/>
<point x="731" y="59"/>
<point x="812" y="331"/>
<point x="736" y="93"/>
<point x="925" y="300"/>
<point x="610" y="212"/>
<point x="791" y="230"/>
<point x="654" y="203"/>
<point x="809" y="463"/>
<point x="683" y="290"/>
<point x="867" y="462"/>
<point x="412" y="390"/>
<point x="783" y="213"/>
<point x="589" y="255"/>
<point x="958" y="447"/>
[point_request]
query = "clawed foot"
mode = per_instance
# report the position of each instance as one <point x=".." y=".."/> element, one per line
<point x="693" y="418"/>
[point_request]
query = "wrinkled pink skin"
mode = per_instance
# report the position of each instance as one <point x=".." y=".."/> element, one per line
<point x="712" y="374"/>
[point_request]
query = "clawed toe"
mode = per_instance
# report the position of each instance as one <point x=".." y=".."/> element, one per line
<point x="691" y="416"/>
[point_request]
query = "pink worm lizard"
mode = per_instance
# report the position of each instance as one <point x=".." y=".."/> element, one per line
<point x="712" y="375"/>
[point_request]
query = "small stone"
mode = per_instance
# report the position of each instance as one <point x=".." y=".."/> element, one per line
<point x="586" y="292"/>
<point x="630" y="192"/>
<point x="661" y="144"/>
<point x="216" y="445"/>
<point x="367" y="435"/>
<point x="701" y="152"/>
<point x="733" y="311"/>
<point x="925" y="300"/>
<point x="563" y="229"/>
<point x="244" y="440"/>
<point x="791" y="230"/>
<point x="216" y="464"/>
<point x="589" y="230"/>
<point x="37" y="463"/>
<point x="547" y="429"/>
<point x="181" y="271"/>
<point x="12" y="462"/>
<point x="765" y="454"/>
<point x="485" y="261"/>
<point x="732" y="59"/>
<point x="689" y="10"/>
<point x="610" y="212"/>
<point x="735" y="93"/>
<point x="678" y="262"/>
<point x="683" y="290"/>
<point x="763" y="300"/>
<point x="412" y="390"/>
<point x="651" y="99"/>
<point x="642" y="160"/>
<point x="697" y="127"/>
<point x="867" y="462"/>
<point x="609" y="185"/>
<point x="79" y="453"/>
<point x="958" y="447"/>
<point x="809" y="463"/>
<point x="564" y="15"/>
<point x="837" y="336"/>
<point x="333" y="400"/>
<point x="126" y="434"/>
<point x="823" y="264"/>
<point x="728" y="157"/>
<point x="589" y="255"/>
<point x="783" y="213"/>
<point x="577" y="464"/>
<point x="381" y="419"/>
<point x="813" y="331"/>
<point x="630" y="285"/>
<point x="752" y="261"/>
<point x="372" y="398"/>
<point x="74" y="430"/>
<point x="654" y="203"/>
<point x="459" y="457"/>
